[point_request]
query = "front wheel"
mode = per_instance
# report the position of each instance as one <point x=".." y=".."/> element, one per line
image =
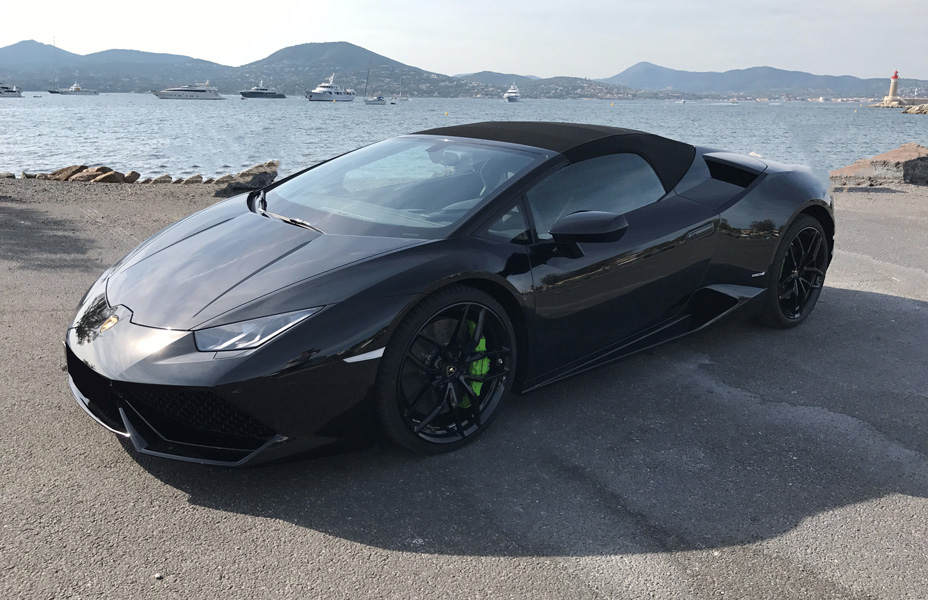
<point x="445" y="370"/>
<point x="795" y="280"/>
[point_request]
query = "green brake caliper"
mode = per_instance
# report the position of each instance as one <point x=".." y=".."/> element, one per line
<point x="478" y="367"/>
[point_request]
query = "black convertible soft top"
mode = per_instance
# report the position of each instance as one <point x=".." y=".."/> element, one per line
<point x="669" y="158"/>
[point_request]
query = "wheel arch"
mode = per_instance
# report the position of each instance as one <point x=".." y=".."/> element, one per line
<point x="821" y="214"/>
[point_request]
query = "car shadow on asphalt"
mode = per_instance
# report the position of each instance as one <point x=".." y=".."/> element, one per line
<point x="734" y="435"/>
<point x="36" y="241"/>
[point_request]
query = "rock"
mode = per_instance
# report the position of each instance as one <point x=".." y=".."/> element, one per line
<point x="163" y="179"/>
<point x="110" y="177"/>
<point x="906" y="164"/>
<point x="44" y="176"/>
<point x="25" y="175"/>
<point x="194" y="179"/>
<point x="178" y="180"/>
<point x="209" y="180"/>
<point x="87" y="175"/>
<point x="67" y="172"/>
<point x="224" y="180"/>
<point x="919" y="109"/>
<point x="256" y="177"/>
<point x="7" y="176"/>
<point x="99" y="170"/>
<point x="146" y="180"/>
<point x="131" y="176"/>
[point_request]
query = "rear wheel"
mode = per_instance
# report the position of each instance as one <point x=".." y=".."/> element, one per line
<point x="446" y="370"/>
<point x="795" y="280"/>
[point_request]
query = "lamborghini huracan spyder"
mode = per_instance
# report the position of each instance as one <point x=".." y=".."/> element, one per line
<point x="411" y="284"/>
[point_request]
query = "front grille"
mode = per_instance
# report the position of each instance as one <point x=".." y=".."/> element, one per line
<point x="195" y="409"/>
<point x="97" y="389"/>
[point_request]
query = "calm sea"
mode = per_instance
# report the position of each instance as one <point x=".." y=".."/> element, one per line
<point x="152" y="136"/>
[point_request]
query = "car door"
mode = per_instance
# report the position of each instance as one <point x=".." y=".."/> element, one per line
<point x="590" y="296"/>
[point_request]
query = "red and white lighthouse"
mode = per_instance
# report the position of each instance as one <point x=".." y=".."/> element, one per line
<point x="893" y="88"/>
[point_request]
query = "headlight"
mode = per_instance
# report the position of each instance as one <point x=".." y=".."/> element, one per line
<point x="248" y="334"/>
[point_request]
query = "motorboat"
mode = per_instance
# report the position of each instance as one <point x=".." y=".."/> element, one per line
<point x="10" y="92"/>
<point x="329" y="91"/>
<point x="77" y="90"/>
<point x="512" y="94"/>
<point x="198" y="91"/>
<point x="259" y="91"/>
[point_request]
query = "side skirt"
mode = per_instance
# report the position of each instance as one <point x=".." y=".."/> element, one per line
<point x="707" y="305"/>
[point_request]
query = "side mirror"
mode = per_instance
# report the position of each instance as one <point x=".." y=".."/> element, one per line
<point x="589" y="226"/>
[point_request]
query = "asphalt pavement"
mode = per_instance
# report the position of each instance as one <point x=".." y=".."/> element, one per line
<point x="740" y="462"/>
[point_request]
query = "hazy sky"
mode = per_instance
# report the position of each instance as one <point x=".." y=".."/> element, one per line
<point x="595" y="39"/>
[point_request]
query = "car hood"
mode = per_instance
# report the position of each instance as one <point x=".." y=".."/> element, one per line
<point x="221" y="259"/>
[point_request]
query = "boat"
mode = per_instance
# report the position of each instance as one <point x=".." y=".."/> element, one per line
<point x="259" y="91"/>
<point x="372" y="100"/>
<point x="77" y="90"/>
<point x="512" y="94"/>
<point x="403" y="97"/>
<point x="10" y="92"/>
<point x="329" y="91"/>
<point x="199" y="91"/>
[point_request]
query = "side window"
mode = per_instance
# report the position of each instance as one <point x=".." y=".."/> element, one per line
<point x="616" y="183"/>
<point x="511" y="226"/>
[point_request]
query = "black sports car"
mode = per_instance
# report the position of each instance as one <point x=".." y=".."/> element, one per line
<point x="414" y="282"/>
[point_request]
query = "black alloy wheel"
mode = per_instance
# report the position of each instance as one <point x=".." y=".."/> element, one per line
<point x="795" y="283"/>
<point x="445" y="370"/>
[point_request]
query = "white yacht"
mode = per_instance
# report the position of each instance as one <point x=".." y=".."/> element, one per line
<point x="77" y="90"/>
<point x="512" y="94"/>
<point x="259" y="91"/>
<point x="10" y="92"/>
<point x="199" y="91"/>
<point x="329" y="91"/>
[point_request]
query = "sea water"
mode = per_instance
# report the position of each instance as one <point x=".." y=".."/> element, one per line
<point x="42" y="132"/>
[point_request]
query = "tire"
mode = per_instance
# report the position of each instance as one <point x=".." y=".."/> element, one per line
<point x="445" y="370"/>
<point x="797" y="274"/>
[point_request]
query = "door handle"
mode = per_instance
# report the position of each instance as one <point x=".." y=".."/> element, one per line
<point x="701" y="231"/>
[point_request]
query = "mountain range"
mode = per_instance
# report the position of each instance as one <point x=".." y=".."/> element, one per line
<point x="35" y="66"/>
<point x="754" y="81"/>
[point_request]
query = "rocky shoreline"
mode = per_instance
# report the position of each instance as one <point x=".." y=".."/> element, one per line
<point x="906" y="164"/>
<point x="253" y="178"/>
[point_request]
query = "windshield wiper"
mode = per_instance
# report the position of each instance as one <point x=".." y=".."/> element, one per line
<point x="261" y="206"/>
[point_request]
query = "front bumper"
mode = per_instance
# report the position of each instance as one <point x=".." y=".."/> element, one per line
<point x="171" y="422"/>
<point x="172" y="401"/>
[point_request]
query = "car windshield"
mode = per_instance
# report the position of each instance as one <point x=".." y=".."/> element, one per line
<point x="411" y="186"/>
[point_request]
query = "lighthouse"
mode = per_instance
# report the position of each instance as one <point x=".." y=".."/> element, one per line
<point x="893" y="89"/>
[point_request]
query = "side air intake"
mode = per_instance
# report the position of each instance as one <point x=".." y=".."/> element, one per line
<point x="729" y="173"/>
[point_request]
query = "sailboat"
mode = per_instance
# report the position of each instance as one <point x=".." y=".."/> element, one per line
<point x="402" y="97"/>
<point x="56" y="89"/>
<point x="372" y="100"/>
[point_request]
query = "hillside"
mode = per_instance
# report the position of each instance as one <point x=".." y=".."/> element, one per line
<point x="36" y="66"/>
<point x="499" y="79"/>
<point x="755" y="80"/>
